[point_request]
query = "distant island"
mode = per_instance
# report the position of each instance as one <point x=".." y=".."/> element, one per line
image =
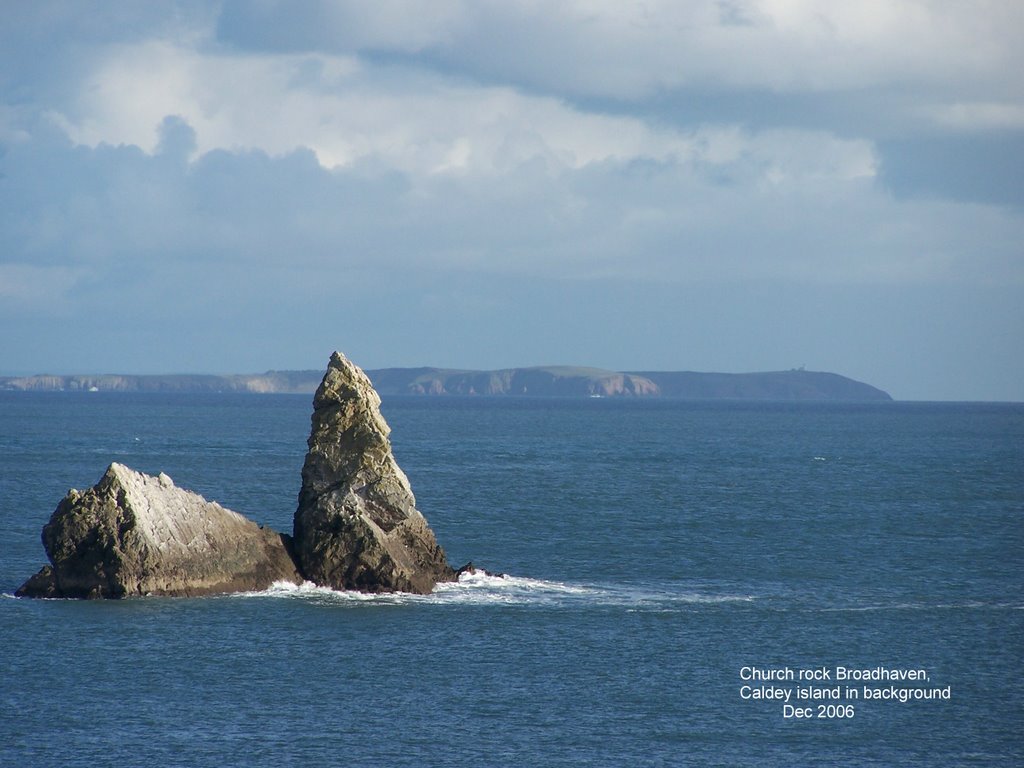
<point x="542" y="381"/>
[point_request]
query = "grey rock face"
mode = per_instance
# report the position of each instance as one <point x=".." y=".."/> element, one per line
<point x="133" y="534"/>
<point x="357" y="526"/>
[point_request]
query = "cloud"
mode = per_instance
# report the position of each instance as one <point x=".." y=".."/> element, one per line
<point x="225" y="170"/>
<point x="250" y="153"/>
<point x="976" y="116"/>
<point x="721" y="204"/>
<point x="632" y="51"/>
<point x="879" y="71"/>
<point x="177" y="138"/>
<point x="179" y="147"/>
<point x="345" y="112"/>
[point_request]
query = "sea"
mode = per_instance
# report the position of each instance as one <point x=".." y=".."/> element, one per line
<point x="682" y="584"/>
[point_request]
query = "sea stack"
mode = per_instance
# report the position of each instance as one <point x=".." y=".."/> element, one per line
<point x="357" y="526"/>
<point x="134" y="534"/>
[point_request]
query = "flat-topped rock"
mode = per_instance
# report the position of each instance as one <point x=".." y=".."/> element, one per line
<point x="134" y="534"/>
<point x="357" y="526"/>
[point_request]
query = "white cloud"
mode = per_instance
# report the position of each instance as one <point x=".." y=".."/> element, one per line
<point x="419" y="124"/>
<point x="345" y="113"/>
<point x="770" y="206"/>
<point x="633" y="50"/>
<point x="418" y="169"/>
<point x="432" y="170"/>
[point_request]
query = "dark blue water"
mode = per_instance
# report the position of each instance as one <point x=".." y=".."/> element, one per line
<point x="653" y="550"/>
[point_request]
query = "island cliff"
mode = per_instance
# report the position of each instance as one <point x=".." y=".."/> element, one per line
<point x="356" y="525"/>
<point x="542" y="381"/>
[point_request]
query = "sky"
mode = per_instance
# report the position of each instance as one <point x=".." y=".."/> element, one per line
<point x="712" y="185"/>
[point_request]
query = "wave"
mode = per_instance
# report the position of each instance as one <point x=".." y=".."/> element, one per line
<point x="484" y="589"/>
<point x="967" y="605"/>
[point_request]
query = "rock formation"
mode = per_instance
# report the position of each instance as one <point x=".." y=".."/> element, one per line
<point x="357" y="526"/>
<point x="134" y="534"/>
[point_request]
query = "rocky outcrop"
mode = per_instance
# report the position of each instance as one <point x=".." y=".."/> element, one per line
<point x="357" y="526"/>
<point x="133" y="534"/>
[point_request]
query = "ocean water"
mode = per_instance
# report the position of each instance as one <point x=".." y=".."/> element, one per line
<point x="655" y="552"/>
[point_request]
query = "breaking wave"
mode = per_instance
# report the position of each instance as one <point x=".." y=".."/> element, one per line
<point x="483" y="589"/>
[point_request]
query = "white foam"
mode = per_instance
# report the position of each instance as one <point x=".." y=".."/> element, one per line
<point x="483" y="589"/>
